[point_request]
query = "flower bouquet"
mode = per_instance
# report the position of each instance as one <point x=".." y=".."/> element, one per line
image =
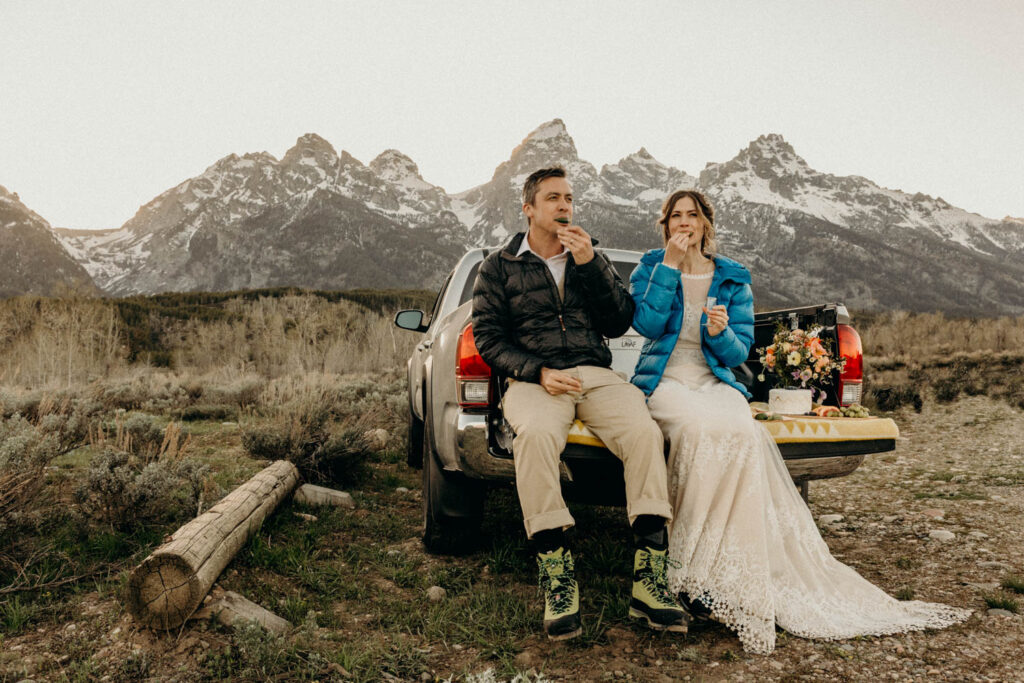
<point x="797" y="359"/>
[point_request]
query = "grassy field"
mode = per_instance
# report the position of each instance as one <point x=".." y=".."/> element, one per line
<point x="122" y="420"/>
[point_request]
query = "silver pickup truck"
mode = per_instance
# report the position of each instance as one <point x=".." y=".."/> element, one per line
<point x="460" y="440"/>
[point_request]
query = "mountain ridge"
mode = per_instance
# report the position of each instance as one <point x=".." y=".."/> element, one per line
<point x="808" y="234"/>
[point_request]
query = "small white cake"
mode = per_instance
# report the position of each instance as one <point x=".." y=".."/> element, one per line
<point x="789" y="401"/>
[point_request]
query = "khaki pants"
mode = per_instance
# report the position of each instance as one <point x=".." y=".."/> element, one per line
<point x="616" y="412"/>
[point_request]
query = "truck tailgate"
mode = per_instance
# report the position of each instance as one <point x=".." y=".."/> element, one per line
<point x="800" y="437"/>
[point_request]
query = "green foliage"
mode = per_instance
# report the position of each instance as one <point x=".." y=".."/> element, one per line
<point x="1014" y="582"/>
<point x="255" y="654"/>
<point x="206" y="411"/>
<point x="26" y="449"/>
<point x="149" y="322"/>
<point x="243" y="392"/>
<point x="692" y="654"/>
<point x="15" y="615"/>
<point x="123" y="491"/>
<point x="304" y="432"/>
<point x="889" y="398"/>
<point x="1000" y="601"/>
<point x="905" y="593"/>
<point x="134" y="667"/>
<point x="948" y="389"/>
<point x="905" y="563"/>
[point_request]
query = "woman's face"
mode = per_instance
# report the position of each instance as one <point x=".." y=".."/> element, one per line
<point x="685" y="219"/>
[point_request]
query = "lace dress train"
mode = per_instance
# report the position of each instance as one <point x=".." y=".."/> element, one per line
<point x="746" y="544"/>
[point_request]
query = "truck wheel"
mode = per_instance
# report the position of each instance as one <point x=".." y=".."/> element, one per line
<point x="452" y="508"/>
<point x="414" y="446"/>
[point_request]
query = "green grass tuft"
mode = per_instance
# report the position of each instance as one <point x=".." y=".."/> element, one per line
<point x="905" y="593"/>
<point x="999" y="601"/>
<point x="1014" y="582"/>
<point x="15" y="615"/>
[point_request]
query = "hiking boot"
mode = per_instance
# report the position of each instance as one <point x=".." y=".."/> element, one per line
<point x="561" y="594"/>
<point x="651" y="599"/>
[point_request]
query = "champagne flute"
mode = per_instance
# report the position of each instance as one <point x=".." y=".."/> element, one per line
<point x="709" y="304"/>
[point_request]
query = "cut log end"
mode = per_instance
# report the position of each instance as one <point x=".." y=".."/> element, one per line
<point x="169" y="584"/>
<point x="163" y="592"/>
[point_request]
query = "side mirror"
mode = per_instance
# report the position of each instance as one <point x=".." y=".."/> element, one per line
<point x="410" y="320"/>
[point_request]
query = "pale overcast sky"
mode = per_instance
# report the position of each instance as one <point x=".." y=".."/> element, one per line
<point x="104" y="105"/>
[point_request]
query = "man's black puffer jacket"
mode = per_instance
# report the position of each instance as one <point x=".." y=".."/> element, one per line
<point x="520" y="325"/>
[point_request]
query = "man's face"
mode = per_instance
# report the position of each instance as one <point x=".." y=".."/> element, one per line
<point x="553" y="201"/>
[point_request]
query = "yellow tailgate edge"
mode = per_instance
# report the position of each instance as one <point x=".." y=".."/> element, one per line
<point x="791" y="429"/>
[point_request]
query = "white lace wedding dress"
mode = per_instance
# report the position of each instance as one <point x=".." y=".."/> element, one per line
<point x="745" y="542"/>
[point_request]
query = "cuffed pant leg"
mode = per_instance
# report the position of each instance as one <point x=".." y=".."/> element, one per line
<point x="616" y="411"/>
<point x="541" y="424"/>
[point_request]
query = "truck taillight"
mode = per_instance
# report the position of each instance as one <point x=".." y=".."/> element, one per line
<point x="851" y="379"/>
<point x="472" y="374"/>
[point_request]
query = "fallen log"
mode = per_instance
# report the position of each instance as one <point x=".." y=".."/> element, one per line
<point x="171" y="583"/>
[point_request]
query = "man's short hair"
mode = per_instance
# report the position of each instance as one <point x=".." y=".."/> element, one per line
<point x="536" y="178"/>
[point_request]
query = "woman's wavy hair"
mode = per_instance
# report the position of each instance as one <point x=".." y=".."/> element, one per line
<point x="708" y="245"/>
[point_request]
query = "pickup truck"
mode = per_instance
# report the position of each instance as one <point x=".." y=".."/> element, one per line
<point x="460" y="440"/>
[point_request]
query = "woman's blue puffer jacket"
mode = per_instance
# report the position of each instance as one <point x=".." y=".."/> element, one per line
<point x="658" y="293"/>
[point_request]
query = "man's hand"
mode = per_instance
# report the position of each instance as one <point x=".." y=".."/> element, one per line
<point x="557" y="382"/>
<point x="578" y="242"/>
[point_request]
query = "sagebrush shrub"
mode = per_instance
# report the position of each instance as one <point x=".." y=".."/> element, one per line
<point x="948" y="389"/>
<point x="306" y="433"/>
<point x="136" y="433"/>
<point x="892" y="397"/>
<point x="119" y="489"/>
<point x="27" y="448"/>
<point x="205" y="411"/>
<point x="25" y="451"/>
<point x="242" y="392"/>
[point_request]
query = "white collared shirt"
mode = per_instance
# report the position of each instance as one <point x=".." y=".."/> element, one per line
<point x="556" y="264"/>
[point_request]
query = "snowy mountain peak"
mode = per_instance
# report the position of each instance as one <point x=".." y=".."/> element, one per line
<point x="773" y="148"/>
<point x="393" y="166"/>
<point x="641" y="178"/>
<point x="548" y="143"/>
<point x="311" y="147"/>
<point x="552" y="129"/>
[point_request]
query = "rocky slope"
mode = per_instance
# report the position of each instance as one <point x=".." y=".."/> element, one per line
<point x="32" y="259"/>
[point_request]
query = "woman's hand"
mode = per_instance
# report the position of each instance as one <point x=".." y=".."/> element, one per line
<point x="675" y="249"/>
<point x="718" y="320"/>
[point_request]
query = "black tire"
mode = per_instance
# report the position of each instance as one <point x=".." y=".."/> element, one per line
<point x="453" y="507"/>
<point x="414" y="446"/>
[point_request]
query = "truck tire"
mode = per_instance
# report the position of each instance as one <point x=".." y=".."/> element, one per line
<point x="453" y="507"/>
<point x="414" y="446"/>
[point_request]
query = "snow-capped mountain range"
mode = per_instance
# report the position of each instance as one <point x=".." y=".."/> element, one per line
<point x="321" y="219"/>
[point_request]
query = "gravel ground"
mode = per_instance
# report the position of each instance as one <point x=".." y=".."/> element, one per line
<point x="958" y="468"/>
